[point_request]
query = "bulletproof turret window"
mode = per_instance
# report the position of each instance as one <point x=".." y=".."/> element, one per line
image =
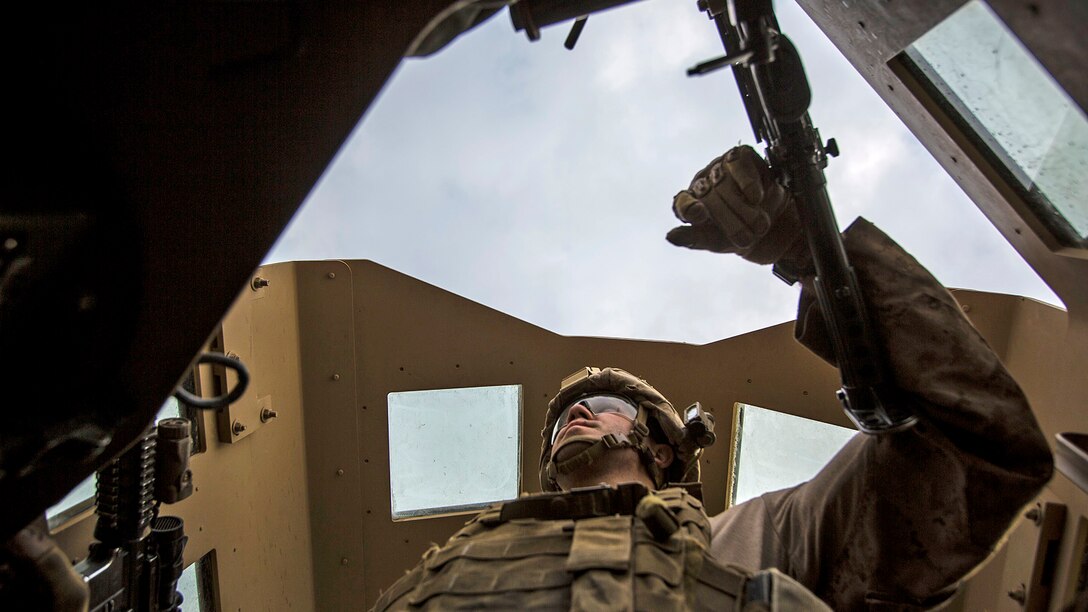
<point x="774" y="450"/>
<point x="453" y="450"/>
<point x="197" y="584"/>
<point x="1025" y="125"/>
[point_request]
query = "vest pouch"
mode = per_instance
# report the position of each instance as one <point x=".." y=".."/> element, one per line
<point x="659" y="573"/>
<point x="678" y="573"/>
<point x="515" y="565"/>
<point x="599" y="563"/>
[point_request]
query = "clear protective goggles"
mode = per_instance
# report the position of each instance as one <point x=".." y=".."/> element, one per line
<point x="597" y="404"/>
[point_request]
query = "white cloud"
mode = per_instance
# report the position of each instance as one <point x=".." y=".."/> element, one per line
<point x="538" y="180"/>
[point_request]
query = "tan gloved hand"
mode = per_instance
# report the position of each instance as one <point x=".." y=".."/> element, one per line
<point x="734" y="205"/>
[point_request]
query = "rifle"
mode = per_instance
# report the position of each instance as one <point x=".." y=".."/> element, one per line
<point x="776" y="95"/>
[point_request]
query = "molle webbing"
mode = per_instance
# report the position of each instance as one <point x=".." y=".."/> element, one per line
<point x="511" y="557"/>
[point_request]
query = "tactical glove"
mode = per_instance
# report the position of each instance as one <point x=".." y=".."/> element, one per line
<point x="734" y="205"/>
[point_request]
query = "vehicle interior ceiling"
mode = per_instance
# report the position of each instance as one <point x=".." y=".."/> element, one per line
<point x="109" y="290"/>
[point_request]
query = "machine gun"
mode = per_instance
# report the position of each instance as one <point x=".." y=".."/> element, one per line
<point x="138" y="557"/>
<point x="776" y="94"/>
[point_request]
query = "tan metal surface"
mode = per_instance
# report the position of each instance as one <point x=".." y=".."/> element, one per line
<point x="299" y="511"/>
<point x="413" y="336"/>
<point x="329" y="371"/>
<point x="243" y="418"/>
<point x="250" y="502"/>
<point x="1034" y="536"/>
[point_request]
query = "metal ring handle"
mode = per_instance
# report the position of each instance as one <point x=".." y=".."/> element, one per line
<point x="219" y="401"/>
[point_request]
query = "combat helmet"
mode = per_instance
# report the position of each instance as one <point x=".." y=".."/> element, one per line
<point x="687" y="437"/>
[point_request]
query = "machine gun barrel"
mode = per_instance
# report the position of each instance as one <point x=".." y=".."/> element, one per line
<point x="776" y="95"/>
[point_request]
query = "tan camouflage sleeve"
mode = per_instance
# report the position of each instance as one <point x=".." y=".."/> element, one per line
<point x="902" y="517"/>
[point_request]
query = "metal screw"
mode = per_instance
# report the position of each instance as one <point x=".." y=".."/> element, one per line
<point x="1020" y="595"/>
<point x="10" y="244"/>
<point x="1035" y="515"/>
<point x="340" y="472"/>
<point x="238" y="428"/>
<point x="343" y="560"/>
<point x="336" y="377"/>
<point x="267" y="414"/>
<point x="258" y="283"/>
<point x="332" y="274"/>
<point x="966" y="308"/>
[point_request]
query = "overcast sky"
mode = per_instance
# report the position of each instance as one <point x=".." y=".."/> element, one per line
<point x="538" y="181"/>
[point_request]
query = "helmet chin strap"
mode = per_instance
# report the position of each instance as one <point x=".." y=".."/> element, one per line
<point x="613" y="441"/>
